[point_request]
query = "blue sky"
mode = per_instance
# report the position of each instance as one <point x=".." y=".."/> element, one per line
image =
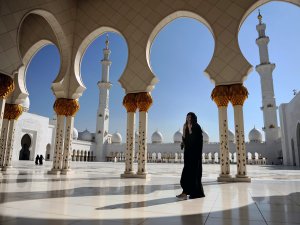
<point x="179" y="55"/>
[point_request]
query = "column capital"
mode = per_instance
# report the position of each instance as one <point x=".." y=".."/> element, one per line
<point x="144" y="101"/>
<point x="7" y="86"/>
<point x="12" y="111"/>
<point x="220" y="95"/>
<point x="238" y="94"/>
<point x="66" y="107"/>
<point x="129" y="102"/>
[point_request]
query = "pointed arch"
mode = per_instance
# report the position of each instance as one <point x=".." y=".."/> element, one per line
<point x="166" y="21"/>
<point x="51" y="32"/>
<point x="85" y="44"/>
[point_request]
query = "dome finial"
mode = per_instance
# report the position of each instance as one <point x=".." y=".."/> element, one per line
<point x="259" y="17"/>
<point x="106" y="41"/>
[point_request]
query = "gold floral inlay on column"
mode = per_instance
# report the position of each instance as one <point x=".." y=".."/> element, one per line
<point x="12" y="111"/>
<point x="66" y="107"/>
<point x="7" y="86"/>
<point x="144" y="101"/>
<point x="129" y="102"/>
<point x="238" y="94"/>
<point x="220" y="95"/>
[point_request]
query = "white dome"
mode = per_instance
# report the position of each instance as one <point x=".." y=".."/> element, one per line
<point x="205" y="136"/>
<point x="177" y="136"/>
<point x="230" y="136"/>
<point x="157" y="137"/>
<point x="26" y="104"/>
<point x="116" y="138"/>
<point x="75" y="134"/>
<point x="255" y="135"/>
<point x="86" y="136"/>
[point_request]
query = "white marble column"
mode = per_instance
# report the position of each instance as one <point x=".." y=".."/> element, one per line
<point x="3" y="141"/>
<point x="9" y="144"/>
<point x="224" y="145"/>
<point x="59" y="143"/>
<point x="68" y="144"/>
<point x="130" y="104"/>
<point x="144" y="102"/>
<point x="7" y="86"/>
<point x="220" y="95"/>
<point x="2" y="106"/>
<point x="142" y="154"/>
<point x="238" y="94"/>
<point x="130" y="145"/>
<point x="240" y="144"/>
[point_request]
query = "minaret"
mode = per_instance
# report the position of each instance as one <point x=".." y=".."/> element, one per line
<point x="104" y="85"/>
<point x="265" y="69"/>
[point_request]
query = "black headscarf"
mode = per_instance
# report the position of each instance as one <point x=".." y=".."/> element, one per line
<point x="193" y="117"/>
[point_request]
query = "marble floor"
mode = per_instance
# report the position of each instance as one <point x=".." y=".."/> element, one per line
<point x="94" y="194"/>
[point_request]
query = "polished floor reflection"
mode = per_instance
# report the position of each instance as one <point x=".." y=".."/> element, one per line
<point x="94" y="194"/>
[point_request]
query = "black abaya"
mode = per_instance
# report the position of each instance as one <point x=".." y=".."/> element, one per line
<point x="192" y="171"/>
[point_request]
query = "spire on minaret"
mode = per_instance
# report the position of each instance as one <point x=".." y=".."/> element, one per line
<point x="259" y="17"/>
<point x="106" y="42"/>
<point x="265" y="70"/>
<point x="106" y="50"/>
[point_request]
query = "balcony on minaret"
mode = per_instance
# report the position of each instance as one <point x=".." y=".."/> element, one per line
<point x="104" y="85"/>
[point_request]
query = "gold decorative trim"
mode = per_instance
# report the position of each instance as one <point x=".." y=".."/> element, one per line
<point x="220" y="95"/>
<point x="144" y="101"/>
<point x="129" y="102"/>
<point x="66" y="107"/>
<point x="12" y="111"/>
<point x="7" y="86"/>
<point x="238" y="94"/>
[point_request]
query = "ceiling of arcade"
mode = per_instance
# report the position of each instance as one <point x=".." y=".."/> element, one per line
<point x="136" y="20"/>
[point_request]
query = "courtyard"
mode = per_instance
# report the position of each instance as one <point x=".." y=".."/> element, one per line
<point x="94" y="194"/>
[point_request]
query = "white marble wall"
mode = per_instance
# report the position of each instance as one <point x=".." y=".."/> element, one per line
<point x="40" y="131"/>
<point x="289" y="114"/>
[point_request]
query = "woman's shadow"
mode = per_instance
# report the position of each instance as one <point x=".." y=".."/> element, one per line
<point x="131" y="205"/>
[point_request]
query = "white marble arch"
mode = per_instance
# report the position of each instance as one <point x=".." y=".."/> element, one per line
<point x="164" y="22"/>
<point x="89" y="39"/>
<point x="54" y="35"/>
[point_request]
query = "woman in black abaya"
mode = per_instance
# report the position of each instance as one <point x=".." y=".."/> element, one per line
<point x="192" y="171"/>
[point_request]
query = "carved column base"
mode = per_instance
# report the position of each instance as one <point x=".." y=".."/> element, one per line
<point x="66" y="171"/>
<point x="140" y="176"/>
<point x="54" y="171"/>
<point x="241" y="178"/>
<point x="7" y="168"/>
<point x="128" y="175"/>
<point x="225" y="178"/>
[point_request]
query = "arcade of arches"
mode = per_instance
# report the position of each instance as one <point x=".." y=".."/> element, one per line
<point x="71" y="25"/>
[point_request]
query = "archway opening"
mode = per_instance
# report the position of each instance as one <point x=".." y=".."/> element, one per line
<point x="91" y="74"/>
<point x="24" y="153"/>
<point x="40" y="73"/>
<point x="298" y="142"/>
<point x="48" y="153"/>
<point x="293" y="152"/>
<point x="179" y="54"/>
